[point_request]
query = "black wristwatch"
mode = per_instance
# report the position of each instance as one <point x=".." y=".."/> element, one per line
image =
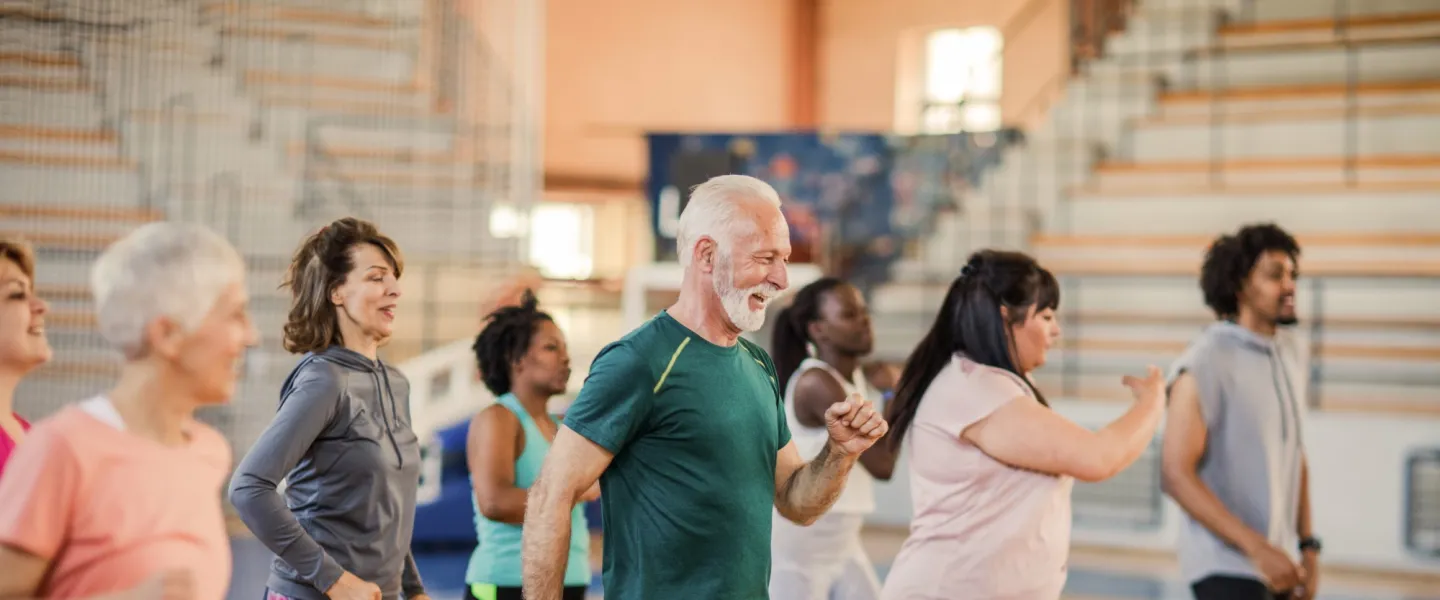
<point x="1310" y="543"/>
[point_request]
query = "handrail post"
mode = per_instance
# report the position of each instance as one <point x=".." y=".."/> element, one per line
<point x="1219" y="82"/>
<point x="192" y="135"/>
<point x="1352" y="106"/>
<point x="1070" y="370"/>
<point x="1317" y="331"/>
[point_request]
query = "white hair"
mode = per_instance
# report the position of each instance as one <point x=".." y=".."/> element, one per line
<point x="713" y="210"/>
<point x="164" y="269"/>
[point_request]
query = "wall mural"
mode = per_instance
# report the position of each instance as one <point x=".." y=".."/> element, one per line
<point x="854" y="201"/>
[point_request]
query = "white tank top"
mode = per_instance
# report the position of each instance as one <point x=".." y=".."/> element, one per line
<point x="859" y="494"/>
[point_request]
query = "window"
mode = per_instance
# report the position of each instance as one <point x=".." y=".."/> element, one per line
<point x="561" y="240"/>
<point x="962" y="81"/>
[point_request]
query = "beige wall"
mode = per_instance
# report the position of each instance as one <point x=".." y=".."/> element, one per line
<point x="616" y="68"/>
<point x="868" y="48"/>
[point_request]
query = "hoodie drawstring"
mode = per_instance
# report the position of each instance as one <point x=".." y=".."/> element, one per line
<point x="1292" y="406"/>
<point x="393" y="416"/>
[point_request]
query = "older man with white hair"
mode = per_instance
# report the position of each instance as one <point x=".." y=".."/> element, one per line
<point x="683" y="424"/>
<point x="118" y="496"/>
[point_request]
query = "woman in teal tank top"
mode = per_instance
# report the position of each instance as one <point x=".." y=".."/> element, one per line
<point x="522" y="359"/>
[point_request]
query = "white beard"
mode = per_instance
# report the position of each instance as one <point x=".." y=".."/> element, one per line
<point x="737" y="301"/>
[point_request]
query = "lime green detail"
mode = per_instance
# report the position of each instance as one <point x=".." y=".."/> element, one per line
<point x="670" y="366"/>
<point x="483" y="591"/>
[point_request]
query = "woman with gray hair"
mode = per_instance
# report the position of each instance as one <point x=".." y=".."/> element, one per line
<point x="117" y="497"/>
<point x="341" y="439"/>
<point x="23" y="347"/>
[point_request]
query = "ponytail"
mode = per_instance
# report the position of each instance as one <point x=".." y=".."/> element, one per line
<point x="970" y="322"/>
<point x="791" y="338"/>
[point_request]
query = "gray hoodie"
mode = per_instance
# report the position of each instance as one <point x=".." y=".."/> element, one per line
<point x="342" y="441"/>
<point x="1250" y="398"/>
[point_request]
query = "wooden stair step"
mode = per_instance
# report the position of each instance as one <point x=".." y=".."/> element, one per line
<point x="1300" y="91"/>
<point x="130" y="215"/>
<point x="66" y="160"/>
<point x="1329" y="24"/>
<point x="66" y="134"/>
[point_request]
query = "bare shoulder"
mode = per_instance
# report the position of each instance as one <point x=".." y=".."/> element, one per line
<point x="495" y="417"/>
<point x="820" y="386"/>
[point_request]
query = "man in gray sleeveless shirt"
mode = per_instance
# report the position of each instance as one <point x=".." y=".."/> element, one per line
<point x="1234" y="457"/>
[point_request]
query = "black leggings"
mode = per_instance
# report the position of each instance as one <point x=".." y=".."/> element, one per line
<point x="574" y="592"/>
<point x="1217" y="587"/>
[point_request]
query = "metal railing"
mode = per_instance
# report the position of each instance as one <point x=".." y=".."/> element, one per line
<point x="178" y="106"/>
<point x="1183" y="51"/>
<point x="224" y="201"/>
<point x="1318" y="324"/>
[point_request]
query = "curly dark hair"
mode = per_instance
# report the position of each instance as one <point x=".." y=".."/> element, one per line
<point x="505" y="339"/>
<point x="1230" y="259"/>
<point x="320" y="265"/>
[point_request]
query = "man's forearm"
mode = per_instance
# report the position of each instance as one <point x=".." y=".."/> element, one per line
<point x="1197" y="500"/>
<point x="815" y="487"/>
<point x="545" y="543"/>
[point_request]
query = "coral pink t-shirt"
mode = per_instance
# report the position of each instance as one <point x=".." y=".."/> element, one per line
<point x="982" y="530"/>
<point x="7" y="445"/>
<point x="110" y="510"/>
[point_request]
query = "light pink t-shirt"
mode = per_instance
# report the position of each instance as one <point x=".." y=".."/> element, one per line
<point x="110" y="510"/>
<point x="982" y="530"/>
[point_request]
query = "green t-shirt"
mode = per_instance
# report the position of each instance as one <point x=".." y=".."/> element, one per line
<point x="695" y="429"/>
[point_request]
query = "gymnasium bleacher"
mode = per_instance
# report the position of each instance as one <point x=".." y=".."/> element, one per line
<point x="250" y="118"/>
<point x="1199" y="120"/>
<point x="264" y="119"/>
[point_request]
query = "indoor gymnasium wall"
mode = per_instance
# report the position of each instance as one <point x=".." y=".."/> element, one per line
<point x="614" y="70"/>
<point x="871" y="50"/>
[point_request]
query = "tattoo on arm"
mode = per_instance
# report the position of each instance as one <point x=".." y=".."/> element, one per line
<point x="815" y="487"/>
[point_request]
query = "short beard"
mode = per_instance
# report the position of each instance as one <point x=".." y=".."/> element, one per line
<point x="736" y="302"/>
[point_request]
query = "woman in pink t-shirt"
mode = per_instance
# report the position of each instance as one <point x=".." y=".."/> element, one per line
<point x="23" y="347"/>
<point x="118" y="496"/>
<point x="991" y="466"/>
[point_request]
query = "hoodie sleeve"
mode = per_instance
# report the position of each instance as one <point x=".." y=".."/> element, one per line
<point x="410" y="582"/>
<point x="305" y="411"/>
<point x="1199" y="361"/>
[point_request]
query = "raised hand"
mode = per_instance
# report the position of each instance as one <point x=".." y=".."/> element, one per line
<point x="1149" y="389"/>
<point x="350" y="587"/>
<point x="854" y="424"/>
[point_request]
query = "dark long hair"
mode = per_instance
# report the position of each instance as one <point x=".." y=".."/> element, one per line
<point x="505" y="340"/>
<point x="792" y="328"/>
<point x="970" y="322"/>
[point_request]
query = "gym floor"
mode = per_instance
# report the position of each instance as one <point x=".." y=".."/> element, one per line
<point x="1094" y="575"/>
